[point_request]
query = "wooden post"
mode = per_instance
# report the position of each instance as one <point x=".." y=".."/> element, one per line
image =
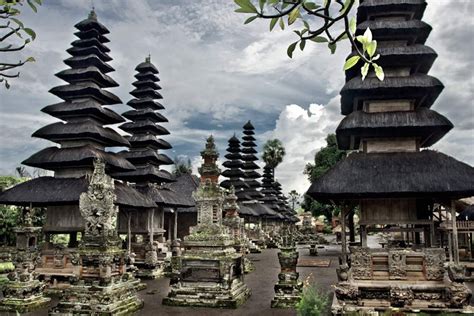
<point x="343" y="235"/>
<point x="351" y="226"/>
<point x="152" y="224"/>
<point x="363" y="236"/>
<point x="170" y="222"/>
<point x="175" y="226"/>
<point x="450" y="247"/>
<point x="455" y="233"/>
<point x="129" y="233"/>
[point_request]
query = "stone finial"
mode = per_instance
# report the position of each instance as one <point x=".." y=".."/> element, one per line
<point x="148" y="58"/>
<point x="92" y="14"/>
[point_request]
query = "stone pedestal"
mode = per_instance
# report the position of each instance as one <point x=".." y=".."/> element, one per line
<point x="24" y="292"/>
<point x="288" y="289"/>
<point x="211" y="271"/>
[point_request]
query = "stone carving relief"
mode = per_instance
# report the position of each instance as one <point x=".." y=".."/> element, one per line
<point x="97" y="204"/>
<point x="434" y="263"/>
<point x="397" y="264"/>
<point x="361" y="263"/>
<point x="400" y="297"/>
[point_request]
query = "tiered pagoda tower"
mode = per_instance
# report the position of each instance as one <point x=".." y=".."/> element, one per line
<point x="392" y="178"/>
<point x="250" y="167"/>
<point x="234" y="173"/>
<point x="82" y="138"/>
<point x="268" y="190"/>
<point x="144" y="127"/>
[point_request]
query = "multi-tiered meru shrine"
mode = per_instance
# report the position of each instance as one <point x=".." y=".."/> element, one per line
<point x="83" y="138"/>
<point x="392" y="177"/>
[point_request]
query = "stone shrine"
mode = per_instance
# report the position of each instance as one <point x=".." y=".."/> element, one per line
<point x="211" y="271"/>
<point x="103" y="286"/>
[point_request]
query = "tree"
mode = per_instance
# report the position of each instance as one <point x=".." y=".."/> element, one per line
<point x="327" y="22"/>
<point x="182" y="167"/>
<point x="273" y="153"/>
<point x="294" y="196"/>
<point x="324" y="159"/>
<point x="10" y="25"/>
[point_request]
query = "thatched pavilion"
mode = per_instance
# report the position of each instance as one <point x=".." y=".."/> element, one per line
<point x="391" y="176"/>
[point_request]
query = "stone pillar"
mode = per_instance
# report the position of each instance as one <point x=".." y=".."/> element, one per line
<point x="455" y="233"/>
<point x="288" y="289"/>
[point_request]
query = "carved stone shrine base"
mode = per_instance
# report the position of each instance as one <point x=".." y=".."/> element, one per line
<point x="118" y="298"/>
<point x="150" y="273"/>
<point x="210" y="272"/>
<point x="287" y="295"/>
<point x="23" y="297"/>
<point x="248" y="265"/>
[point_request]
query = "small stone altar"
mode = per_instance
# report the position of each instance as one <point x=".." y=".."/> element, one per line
<point x="288" y="290"/>
<point x="211" y="271"/>
<point x="24" y="292"/>
<point x="103" y="286"/>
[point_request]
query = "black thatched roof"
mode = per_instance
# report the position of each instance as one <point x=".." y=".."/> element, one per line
<point x="49" y="191"/>
<point x="427" y="174"/>
<point x="140" y="157"/>
<point x="88" y="60"/>
<point x="412" y="8"/>
<point x="145" y="113"/>
<point x="140" y="141"/>
<point x="85" y="90"/>
<point x="166" y="197"/>
<point x="415" y="31"/>
<point x="54" y="158"/>
<point x="91" y="73"/>
<point x="423" y="89"/>
<point x="184" y="185"/>
<point x="85" y="129"/>
<point x="425" y="124"/>
<point x="145" y="173"/>
<point x="418" y="58"/>
<point x="146" y="66"/>
<point x="91" y="23"/>
<point x="89" y="108"/>
<point x="145" y="103"/>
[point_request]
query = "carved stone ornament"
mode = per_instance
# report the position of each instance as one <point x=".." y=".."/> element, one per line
<point x="345" y="291"/>
<point x="97" y="204"/>
<point x="397" y="264"/>
<point x="400" y="297"/>
<point x="457" y="273"/>
<point x="459" y="295"/>
<point x="361" y="263"/>
<point x="434" y="263"/>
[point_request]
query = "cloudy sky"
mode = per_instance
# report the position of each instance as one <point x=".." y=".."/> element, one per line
<point x="217" y="73"/>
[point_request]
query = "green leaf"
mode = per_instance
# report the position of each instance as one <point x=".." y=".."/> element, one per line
<point x="262" y="4"/>
<point x="376" y="57"/>
<point x="282" y="24"/>
<point x="332" y="47"/>
<point x="306" y="25"/>
<point x="7" y="85"/>
<point x="364" y="70"/>
<point x="30" y="32"/>
<point x="352" y="25"/>
<point x="368" y="35"/>
<point x="379" y="71"/>
<point x="361" y="39"/>
<point x="291" y="49"/>
<point x="32" y="6"/>
<point x="351" y="62"/>
<point x="20" y="24"/>
<point x="302" y="44"/>
<point x="293" y="15"/>
<point x="245" y="6"/>
<point x="39" y="2"/>
<point x="30" y="60"/>
<point x="272" y="23"/>
<point x="250" y="19"/>
<point x="311" y="6"/>
<point x="371" y="47"/>
<point x="319" y="39"/>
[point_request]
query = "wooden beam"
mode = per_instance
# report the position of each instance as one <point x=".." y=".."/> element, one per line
<point x="343" y="235"/>
<point x="455" y="233"/>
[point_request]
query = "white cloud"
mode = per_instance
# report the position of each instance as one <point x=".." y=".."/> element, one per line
<point x="302" y="132"/>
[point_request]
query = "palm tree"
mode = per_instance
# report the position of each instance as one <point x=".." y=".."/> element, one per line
<point x="273" y="153"/>
<point x="294" y="196"/>
<point x="181" y="167"/>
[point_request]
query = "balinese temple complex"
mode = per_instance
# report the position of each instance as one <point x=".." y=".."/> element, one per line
<point x="392" y="177"/>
